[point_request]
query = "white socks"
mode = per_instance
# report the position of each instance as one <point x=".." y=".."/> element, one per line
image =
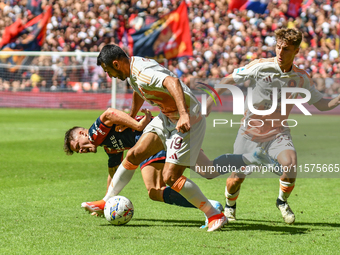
<point x="285" y="189"/>
<point x="231" y="198"/>
<point x="194" y="195"/>
<point x="120" y="179"/>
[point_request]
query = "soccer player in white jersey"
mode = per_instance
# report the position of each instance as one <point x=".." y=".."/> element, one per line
<point x="180" y="118"/>
<point x="264" y="75"/>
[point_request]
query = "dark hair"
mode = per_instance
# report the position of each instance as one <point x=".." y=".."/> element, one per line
<point x="69" y="136"/>
<point x="289" y="35"/>
<point x="110" y="53"/>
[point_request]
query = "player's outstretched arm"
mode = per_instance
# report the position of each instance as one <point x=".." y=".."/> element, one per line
<point x="228" y="80"/>
<point x="174" y="87"/>
<point x="327" y="104"/>
<point x="115" y="117"/>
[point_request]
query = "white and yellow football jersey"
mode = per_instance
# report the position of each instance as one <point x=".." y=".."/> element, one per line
<point x="264" y="75"/>
<point x="147" y="78"/>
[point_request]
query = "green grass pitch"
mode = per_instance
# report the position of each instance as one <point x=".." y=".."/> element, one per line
<point x="41" y="190"/>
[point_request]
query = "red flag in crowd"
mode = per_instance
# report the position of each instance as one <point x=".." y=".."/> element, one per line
<point x="236" y="4"/>
<point x="11" y="32"/>
<point x="168" y="37"/>
<point x="35" y="30"/>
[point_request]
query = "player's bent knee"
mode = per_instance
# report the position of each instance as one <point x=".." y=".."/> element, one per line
<point x="288" y="162"/>
<point x="287" y="158"/>
<point x="135" y="156"/>
<point x="173" y="173"/>
<point x="169" y="180"/>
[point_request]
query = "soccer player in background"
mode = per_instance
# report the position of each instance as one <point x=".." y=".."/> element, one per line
<point x="266" y="74"/>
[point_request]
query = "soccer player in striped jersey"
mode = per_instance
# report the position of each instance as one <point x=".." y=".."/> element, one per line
<point x="264" y="75"/>
<point x="103" y="133"/>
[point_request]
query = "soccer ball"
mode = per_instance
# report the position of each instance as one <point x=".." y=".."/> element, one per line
<point x="118" y="210"/>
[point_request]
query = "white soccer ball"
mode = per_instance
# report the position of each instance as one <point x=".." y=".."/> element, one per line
<point x="118" y="210"/>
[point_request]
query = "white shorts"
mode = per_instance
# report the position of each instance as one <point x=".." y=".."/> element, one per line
<point x="282" y="142"/>
<point x="181" y="149"/>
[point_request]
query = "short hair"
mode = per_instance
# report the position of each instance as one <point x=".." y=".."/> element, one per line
<point x="110" y="53"/>
<point x="69" y="136"/>
<point x="290" y="36"/>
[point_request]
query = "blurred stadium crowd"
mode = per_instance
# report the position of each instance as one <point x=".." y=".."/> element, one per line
<point x="222" y="40"/>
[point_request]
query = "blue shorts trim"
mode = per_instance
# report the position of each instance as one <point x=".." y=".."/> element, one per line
<point x="157" y="158"/>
